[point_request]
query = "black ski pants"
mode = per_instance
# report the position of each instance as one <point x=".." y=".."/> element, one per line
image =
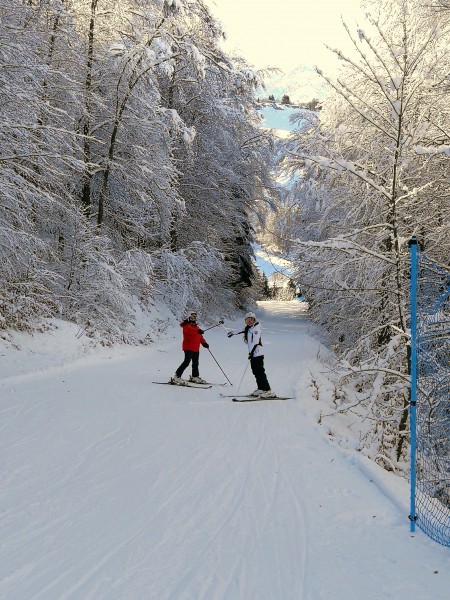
<point x="257" y="365"/>
<point x="188" y="356"/>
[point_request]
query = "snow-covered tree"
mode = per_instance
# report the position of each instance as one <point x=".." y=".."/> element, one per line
<point x="36" y="160"/>
<point x="129" y="161"/>
<point x="374" y="165"/>
<point x="223" y="170"/>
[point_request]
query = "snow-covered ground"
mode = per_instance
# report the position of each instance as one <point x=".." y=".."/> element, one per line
<point x="114" y="488"/>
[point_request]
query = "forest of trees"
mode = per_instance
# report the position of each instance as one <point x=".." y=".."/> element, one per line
<point x="368" y="172"/>
<point x="131" y="162"/>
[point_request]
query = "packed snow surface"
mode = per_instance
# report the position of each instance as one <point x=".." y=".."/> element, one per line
<point x="114" y="488"/>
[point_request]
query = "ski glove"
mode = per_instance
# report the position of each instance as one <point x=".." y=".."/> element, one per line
<point x="201" y="332"/>
<point x="230" y="334"/>
<point x="205" y="345"/>
<point x="220" y="322"/>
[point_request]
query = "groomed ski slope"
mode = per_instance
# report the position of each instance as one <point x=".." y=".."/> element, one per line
<point x="117" y="489"/>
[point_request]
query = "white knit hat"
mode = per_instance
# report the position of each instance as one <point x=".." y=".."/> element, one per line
<point x="250" y="315"/>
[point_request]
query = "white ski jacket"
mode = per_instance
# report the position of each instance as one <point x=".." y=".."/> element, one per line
<point x="254" y="343"/>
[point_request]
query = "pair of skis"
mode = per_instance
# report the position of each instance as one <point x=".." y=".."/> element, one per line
<point x="248" y="398"/>
<point x="234" y="397"/>
<point x="185" y="383"/>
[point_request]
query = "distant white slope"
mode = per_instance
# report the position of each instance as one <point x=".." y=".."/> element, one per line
<point x="301" y="84"/>
<point x="269" y="263"/>
<point x="278" y="118"/>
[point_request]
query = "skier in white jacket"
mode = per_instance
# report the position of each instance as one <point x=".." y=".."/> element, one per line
<point x="252" y="337"/>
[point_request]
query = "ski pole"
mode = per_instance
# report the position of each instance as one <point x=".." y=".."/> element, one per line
<point x="242" y="378"/>
<point x="227" y="330"/>
<point x="212" y="326"/>
<point x="220" y="367"/>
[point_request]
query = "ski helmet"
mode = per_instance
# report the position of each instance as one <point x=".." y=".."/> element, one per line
<point x="193" y="313"/>
<point x="250" y="315"/>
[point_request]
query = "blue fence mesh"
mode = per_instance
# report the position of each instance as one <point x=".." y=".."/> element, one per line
<point x="432" y="394"/>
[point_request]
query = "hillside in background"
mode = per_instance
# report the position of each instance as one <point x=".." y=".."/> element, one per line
<point x="302" y="84"/>
<point x="277" y="117"/>
<point x="270" y="257"/>
<point x="269" y="263"/>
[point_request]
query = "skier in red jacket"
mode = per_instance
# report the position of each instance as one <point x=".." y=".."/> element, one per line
<point x="192" y="338"/>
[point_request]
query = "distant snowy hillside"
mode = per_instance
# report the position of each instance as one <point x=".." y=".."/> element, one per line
<point x="269" y="263"/>
<point x="301" y="85"/>
<point x="278" y="118"/>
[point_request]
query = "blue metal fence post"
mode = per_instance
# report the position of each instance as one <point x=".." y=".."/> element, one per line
<point x="413" y="372"/>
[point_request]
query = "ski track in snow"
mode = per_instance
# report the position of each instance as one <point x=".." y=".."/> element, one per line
<point x="117" y="489"/>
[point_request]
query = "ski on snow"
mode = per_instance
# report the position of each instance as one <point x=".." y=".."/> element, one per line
<point x="201" y="386"/>
<point x="258" y="399"/>
<point x="247" y="398"/>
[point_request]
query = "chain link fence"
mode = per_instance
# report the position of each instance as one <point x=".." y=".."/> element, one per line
<point x="430" y="396"/>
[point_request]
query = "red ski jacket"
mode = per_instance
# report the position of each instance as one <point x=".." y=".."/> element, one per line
<point x="191" y="337"/>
